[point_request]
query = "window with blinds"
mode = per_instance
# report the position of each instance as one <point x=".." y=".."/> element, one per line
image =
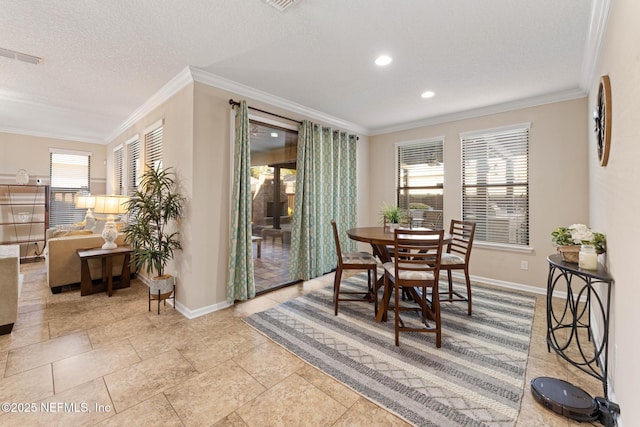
<point x="133" y="166"/>
<point x="153" y="148"/>
<point x="420" y="181"/>
<point x="118" y="170"/>
<point x="495" y="184"/>
<point x="70" y="174"/>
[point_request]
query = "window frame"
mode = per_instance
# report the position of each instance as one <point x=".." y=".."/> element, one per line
<point x="64" y="212"/>
<point x="119" y="169"/>
<point x="508" y="135"/>
<point x="425" y="143"/>
<point x="133" y="164"/>
<point x="153" y="145"/>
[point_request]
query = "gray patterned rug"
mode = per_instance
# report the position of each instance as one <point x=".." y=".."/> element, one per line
<point x="476" y="378"/>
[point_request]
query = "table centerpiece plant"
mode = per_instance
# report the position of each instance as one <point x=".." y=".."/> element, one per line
<point x="152" y="208"/>
<point x="392" y="216"/>
<point x="568" y="240"/>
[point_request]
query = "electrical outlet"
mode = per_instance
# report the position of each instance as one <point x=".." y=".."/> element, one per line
<point x="524" y="265"/>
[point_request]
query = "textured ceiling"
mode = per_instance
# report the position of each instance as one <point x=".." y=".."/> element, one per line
<point x="104" y="59"/>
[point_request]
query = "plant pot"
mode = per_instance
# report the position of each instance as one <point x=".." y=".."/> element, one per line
<point x="569" y="253"/>
<point x="163" y="284"/>
<point x="391" y="226"/>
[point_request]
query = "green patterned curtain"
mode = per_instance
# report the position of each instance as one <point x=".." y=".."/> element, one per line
<point x="325" y="189"/>
<point x="240" y="285"/>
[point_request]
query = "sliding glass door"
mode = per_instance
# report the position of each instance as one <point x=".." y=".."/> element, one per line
<point x="273" y="186"/>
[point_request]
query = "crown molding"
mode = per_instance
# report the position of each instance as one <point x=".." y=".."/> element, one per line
<point x="597" y="26"/>
<point x="240" y="89"/>
<point x="182" y="79"/>
<point x="41" y="134"/>
<point x="566" y="95"/>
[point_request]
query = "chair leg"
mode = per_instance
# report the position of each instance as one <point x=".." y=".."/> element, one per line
<point x="387" y="297"/>
<point x="466" y="275"/>
<point x="374" y="294"/>
<point x="336" y="289"/>
<point x="450" y="285"/>
<point x="396" y="309"/>
<point x="435" y="306"/>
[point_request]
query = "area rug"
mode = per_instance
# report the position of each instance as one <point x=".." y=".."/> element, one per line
<point x="476" y="378"/>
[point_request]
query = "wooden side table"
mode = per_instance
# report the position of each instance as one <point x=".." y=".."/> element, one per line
<point x="87" y="286"/>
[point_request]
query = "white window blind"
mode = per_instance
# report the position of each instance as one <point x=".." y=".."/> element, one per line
<point x="153" y="148"/>
<point x="420" y="181"/>
<point x="495" y="184"/>
<point x="70" y="173"/>
<point x="133" y="166"/>
<point x="118" y="166"/>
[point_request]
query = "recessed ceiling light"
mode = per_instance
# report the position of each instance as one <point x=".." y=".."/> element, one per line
<point x="274" y="134"/>
<point x="428" y="94"/>
<point x="383" y="60"/>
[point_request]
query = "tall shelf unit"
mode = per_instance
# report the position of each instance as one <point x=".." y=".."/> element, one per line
<point x="24" y="218"/>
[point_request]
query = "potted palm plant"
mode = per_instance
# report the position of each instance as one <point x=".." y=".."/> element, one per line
<point x="152" y="208"/>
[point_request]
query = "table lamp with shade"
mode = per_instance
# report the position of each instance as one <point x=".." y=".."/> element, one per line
<point x="88" y="202"/>
<point x="110" y="205"/>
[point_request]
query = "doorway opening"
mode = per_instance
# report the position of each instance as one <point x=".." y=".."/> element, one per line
<point x="273" y="186"/>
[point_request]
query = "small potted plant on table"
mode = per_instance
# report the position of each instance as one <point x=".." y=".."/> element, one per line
<point x="392" y="217"/>
<point x="568" y="241"/>
<point x="152" y="208"/>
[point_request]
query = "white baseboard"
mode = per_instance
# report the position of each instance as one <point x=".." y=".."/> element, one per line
<point x="510" y="285"/>
<point x="192" y="314"/>
<point x="184" y="310"/>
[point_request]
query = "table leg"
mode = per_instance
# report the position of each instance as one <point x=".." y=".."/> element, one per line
<point x="109" y="267"/>
<point x="85" y="278"/>
<point x="125" y="274"/>
<point x="384" y="304"/>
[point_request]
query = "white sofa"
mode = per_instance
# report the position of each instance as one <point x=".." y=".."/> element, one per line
<point x="10" y="286"/>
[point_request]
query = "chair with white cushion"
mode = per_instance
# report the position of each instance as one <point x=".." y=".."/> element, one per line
<point x="457" y="257"/>
<point x="416" y="267"/>
<point x="354" y="261"/>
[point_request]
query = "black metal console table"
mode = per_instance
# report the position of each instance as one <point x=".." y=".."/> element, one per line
<point x="569" y="328"/>
<point x="571" y="324"/>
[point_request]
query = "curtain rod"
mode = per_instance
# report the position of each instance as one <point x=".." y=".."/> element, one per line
<point x="234" y="103"/>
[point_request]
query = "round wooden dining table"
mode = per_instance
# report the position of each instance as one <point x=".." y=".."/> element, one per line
<point x="380" y="239"/>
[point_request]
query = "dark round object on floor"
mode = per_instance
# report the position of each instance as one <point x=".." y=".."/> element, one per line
<point x="564" y="398"/>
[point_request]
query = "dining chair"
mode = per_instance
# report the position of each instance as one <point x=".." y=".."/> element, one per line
<point x="457" y="257"/>
<point x="416" y="267"/>
<point x="433" y="220"/>
<point x="354" y="261"/>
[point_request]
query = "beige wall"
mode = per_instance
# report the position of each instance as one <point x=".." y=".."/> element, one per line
<point x="32" y="154"/>
<point x="558" y="180"/>
<point x="197" y="142"/>
<point x="614" y="204"/>
<point x="212" y="181"/>
<point x="177" y="116"/>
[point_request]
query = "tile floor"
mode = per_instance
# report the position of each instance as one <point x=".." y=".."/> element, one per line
<point x="271" y="270"/>
<point x="121" y="365"/>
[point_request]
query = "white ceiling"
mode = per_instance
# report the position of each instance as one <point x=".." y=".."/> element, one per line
<point x="104" y="59"/>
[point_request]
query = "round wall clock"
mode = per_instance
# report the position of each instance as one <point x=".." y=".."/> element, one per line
<point x="602" y="118"/>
